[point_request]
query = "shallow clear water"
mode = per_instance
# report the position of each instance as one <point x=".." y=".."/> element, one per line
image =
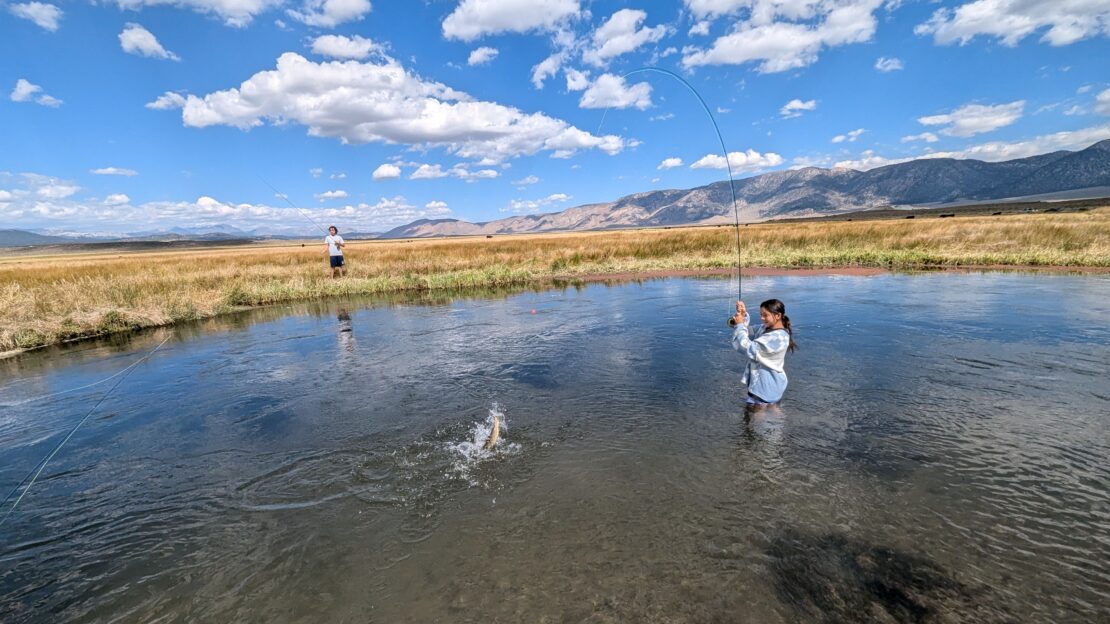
<point x="941" y="455"/>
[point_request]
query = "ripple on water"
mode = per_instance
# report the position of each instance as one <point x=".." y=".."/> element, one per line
<point x="924" y="468"/>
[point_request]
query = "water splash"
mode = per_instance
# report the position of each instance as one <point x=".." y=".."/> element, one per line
<point x="471" y="452"/>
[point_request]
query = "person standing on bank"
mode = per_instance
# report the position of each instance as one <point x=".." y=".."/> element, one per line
<point x="335" y="252"/>
<point x="765" y="347"/>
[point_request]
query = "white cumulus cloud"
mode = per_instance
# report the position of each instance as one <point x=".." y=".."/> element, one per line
<point x="386" y="171"/>
<point x="1102" y="102"/>
<point x="715" y="8"/>
<point x="40" y="201"/>
<point x="849" y="137"/>
<point x="611" y="91"/>
<point x="134" y="39"/>
<point x="700" y="28"/>
<point x="996" y="151"/>
<point x="380" y="101"/>
<point x="527" y="180"/>
<point x="472" y="175"/>
<point x="25" y="91"/>
<point x="472" y="19"/>
<point x="972" y="119"/>
<point x="337" y="194"/>
<point x="428" y="172"/>
<point x="1062" y="21"/>
<point x="235" y="13"/>
<point x="670" y="163"/>
<point x="577" y="80"/>
<point x="45" y="15"/>
<point x="340" y="47"/>
<point x="330" y="13"/>
<point x="547" y="68"/>
<point x="795" y="107"/>
<point x="463" y="172"/>
<point x="37" y="186"/>
<point x="620" y="34"/>
<point x="781" y="36"/>
<point x="481" y="56"/>
<point x="748" y="161"/>
<point x="531" y="205"/>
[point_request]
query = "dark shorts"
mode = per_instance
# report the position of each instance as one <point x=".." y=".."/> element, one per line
<point x="336" y="261"/>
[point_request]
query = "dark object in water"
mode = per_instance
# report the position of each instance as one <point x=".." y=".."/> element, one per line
<point x="832" y="578"/>
<point x="948" y="214"/>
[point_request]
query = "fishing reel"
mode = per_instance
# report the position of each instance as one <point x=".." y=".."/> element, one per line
<point x="732" y="321"/>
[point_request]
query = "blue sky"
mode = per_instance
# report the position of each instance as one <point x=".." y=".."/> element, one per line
<point x="139" y="115"/>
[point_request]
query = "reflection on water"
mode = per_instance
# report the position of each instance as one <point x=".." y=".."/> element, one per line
<point x="346" y="332"/>
<point x="941" y="455"/>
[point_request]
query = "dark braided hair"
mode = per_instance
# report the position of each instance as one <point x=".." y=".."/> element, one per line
<point x="774" y="306"/>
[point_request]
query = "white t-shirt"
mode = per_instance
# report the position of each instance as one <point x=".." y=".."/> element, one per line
<point x="332" y="241"/>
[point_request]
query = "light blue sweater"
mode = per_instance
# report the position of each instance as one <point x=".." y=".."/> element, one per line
<point x="766" y="353"/>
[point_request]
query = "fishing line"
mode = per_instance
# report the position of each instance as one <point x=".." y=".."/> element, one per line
<point x="39" y="467"/>
<point x="724" y="152"/>
<point x="286" y="198"/>
<point x="54" y="394"/>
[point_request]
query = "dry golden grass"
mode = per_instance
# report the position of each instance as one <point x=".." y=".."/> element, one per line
<point x="51" y="299"/>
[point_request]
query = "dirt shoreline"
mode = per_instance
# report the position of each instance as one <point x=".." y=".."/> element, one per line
<point x="855" y="271"/>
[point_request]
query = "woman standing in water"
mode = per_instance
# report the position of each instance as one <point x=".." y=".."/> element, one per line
<point x="765" y="346"/>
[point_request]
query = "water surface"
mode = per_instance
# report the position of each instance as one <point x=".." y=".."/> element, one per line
<point x="941" y="455"/>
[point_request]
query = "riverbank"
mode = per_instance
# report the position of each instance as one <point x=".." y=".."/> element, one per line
<point x="47" y="300"/>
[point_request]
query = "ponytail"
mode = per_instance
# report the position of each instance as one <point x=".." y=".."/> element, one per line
<point x="786" y="324"/>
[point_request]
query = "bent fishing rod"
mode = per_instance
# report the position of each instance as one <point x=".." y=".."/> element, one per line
<point x="294" y="206"/>
<point x="724" y="153"/>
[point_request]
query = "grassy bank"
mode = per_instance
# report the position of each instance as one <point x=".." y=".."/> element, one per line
<point x="50" y="299"/>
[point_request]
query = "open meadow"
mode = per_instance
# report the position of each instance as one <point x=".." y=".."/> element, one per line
<point x="50" y="299"/>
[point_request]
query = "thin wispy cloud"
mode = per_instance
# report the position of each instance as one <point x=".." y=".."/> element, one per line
<point x="972" y="119"/>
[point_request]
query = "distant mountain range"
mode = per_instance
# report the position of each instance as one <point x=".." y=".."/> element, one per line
<point x="810" y="191"/>
<point x="22" y="238"/>
<point x="806" y="192"/>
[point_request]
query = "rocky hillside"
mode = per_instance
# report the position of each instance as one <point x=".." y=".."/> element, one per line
<point x="807" y="192"/>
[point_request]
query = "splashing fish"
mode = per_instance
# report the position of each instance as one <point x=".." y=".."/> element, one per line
<point x="495" y="432"/>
